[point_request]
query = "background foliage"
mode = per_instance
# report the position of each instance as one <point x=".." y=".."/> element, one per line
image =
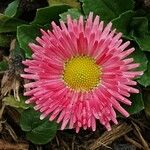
<point x="126" y="17"/>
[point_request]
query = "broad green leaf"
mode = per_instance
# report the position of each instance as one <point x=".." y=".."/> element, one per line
<point x="140" y="12"/>
<point x="48" y="14"/>
<point x="143" y="13"/>
<point x="4" y="40"/>
<point x="3" y="65"/>
<point x="25" y="35"/>
<point x="143" y="42"/>
<point x="37" y="131"/>
<point x="145" y="78"/>
<point x="11" y="101"/>
<point x="140" y="57"/>
<point x="72" y="3"/>
<point x="11" y="9"/>
<point x="122" y="23"/>
<point x="8" y="24"/>
<point x="139" y="26"/>
<point x="137" y="104"/>
<point x="107" y="9"/>
<point x="29" y="118"/>
<point x="44" y="133"/>
<point x="140" y="32"/>
<point x="28" y="33"/>
<point x="74" y="13"/>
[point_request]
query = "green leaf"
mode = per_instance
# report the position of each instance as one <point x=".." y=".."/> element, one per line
<point x="28" y="33"/>
<point x="48" y="14"/>
<point x="140" y="32"/>
<point x="122" y="23"/>
<point x="25" y="35"/>
<point x="43" y="134"/>
<point x="143" y="42"/>
<point x="3" y="65"/>
<point x="8" y="24"/>
<point x="37" y="131"/>
<point x="139" y="26"/>
<point x="145" y="78"/>
<point x="137" y="104"/>
<point x="29" y="119"/>
<point x="74" y="13"/>
<point x="140" y="12"/>
<point x="12" y="8"/>
<point x="107" y="9"/>
<point x="72" y="3"/>
<point x="4" y="40"/>
<point x="140" y="57"/>
<point x="11" y="101"/>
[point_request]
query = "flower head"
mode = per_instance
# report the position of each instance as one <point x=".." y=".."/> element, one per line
<point x="79" y="73"/>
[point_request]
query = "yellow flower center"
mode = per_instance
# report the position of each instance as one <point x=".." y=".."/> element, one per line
<point x="81" y="73"/>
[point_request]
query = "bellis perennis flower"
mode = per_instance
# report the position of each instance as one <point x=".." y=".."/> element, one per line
<point x="79" y="74"/>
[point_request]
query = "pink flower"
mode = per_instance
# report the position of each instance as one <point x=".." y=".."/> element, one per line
<point x="79" y="74"/>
